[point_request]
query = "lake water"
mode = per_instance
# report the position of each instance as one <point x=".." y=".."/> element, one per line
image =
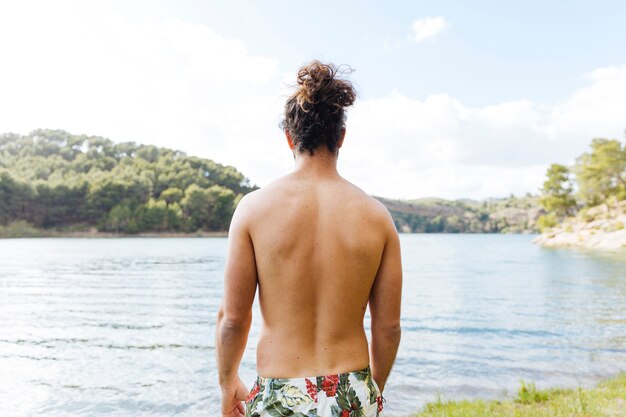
<point x="126" y="326"/>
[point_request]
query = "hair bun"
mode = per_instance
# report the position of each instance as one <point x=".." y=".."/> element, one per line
<point x="315" y="113"/>
<point x="320" y="84"/>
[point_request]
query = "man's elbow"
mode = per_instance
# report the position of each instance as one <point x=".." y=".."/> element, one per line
<point x="233" y="322"/>
<point x="388" y="330"/>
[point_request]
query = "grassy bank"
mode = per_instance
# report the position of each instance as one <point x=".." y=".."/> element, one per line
<point x="22" y="229"/>
<point x="607" y="399"/>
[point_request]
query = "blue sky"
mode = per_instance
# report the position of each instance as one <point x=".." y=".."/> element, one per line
<point x="492" y="51"/>
<point x="456" y="99"/>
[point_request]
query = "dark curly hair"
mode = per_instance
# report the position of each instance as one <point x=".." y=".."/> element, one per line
<point x="315" y="114"/>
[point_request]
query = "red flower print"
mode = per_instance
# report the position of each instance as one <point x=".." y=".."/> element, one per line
<point x="311" y="389"/>
<point x="329" y="385"/>
<point x="345" y="413"/>
<point x="253" y="392"/>
<point x="379" y="400"/>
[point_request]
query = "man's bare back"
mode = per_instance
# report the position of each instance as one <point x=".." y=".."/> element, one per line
<point x="318" y="244"/>
<point x="320" y="251"/>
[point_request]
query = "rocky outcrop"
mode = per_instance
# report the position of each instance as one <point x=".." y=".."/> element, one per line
<point x="594" y="228"/>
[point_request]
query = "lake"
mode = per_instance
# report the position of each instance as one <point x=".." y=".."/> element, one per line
<point x="126" y="326"/>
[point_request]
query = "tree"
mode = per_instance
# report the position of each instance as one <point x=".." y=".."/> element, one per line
<point x="453" y="224"/>
<point x="210" y="208"/>
<point x="557" y="192"/>
<point x="601" y="173"/>
<point x="222" y="207"/>
<point x="435" y="225"/>
<point x="109" y="191"/>
<point x="153" y="216"/>
<point x="15" y="199"/>
<point x="195" y="206"/>
<point x="118" y="219"/>
<point x="51" y="178"/>
<point x="171" y="195"/>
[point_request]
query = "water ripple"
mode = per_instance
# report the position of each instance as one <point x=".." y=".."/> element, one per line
<point x="92" y="327"/>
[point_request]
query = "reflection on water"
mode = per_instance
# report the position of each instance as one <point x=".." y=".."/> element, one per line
<point x="126" y="326"/>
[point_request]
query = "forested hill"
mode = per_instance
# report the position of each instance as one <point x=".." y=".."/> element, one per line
<point x="51" y="178"/>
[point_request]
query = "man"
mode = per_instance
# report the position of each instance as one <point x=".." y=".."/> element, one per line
<point x="320" y="250"/>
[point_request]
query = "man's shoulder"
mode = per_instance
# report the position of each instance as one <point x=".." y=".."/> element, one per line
<point x="256" y="199"/>
<point x="381" y="213"/>
<point x="373" y="204"/>
<point x="257" y="196"/>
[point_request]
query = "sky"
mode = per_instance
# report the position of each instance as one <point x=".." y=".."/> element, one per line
<point x="455" y="99"/>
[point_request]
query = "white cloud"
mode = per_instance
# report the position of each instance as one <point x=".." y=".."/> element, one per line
<point x="181" y="85"/>
<point x="427" y="27"/>
<point x="402" y="147"/>
<point x="161" y="81"/>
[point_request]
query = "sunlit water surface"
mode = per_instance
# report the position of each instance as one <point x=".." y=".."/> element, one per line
<point x="126" y="326"/>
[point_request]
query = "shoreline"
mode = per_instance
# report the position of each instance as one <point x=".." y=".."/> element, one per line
<point x="43" y="233"/>
<point x="47" y="234"/>
<point x="606" y="398"/>
<point x="594" y="228"/>
<point x="23" y="230"/>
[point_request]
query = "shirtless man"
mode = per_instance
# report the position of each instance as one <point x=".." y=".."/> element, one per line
<point x="320" y="250"/>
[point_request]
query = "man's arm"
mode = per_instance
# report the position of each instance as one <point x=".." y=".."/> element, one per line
<point x="235" y="314"/>
<point x="384" y="303"/>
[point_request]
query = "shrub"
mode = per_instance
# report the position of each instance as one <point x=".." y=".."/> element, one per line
<point x="546" y="221"/>
<point x="528" y="394"/>
<point x="20" y="228"/>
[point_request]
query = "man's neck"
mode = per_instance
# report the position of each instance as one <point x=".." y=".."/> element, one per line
<point x="322" y="164"/>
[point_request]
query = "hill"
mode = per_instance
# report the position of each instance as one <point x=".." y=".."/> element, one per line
<point x="53" y="179"/>
<point x="436" y="215"/>
<point x="55" y="183"/>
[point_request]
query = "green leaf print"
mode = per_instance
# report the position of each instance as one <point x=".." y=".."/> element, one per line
<point x="253" y="405"/>
<point x="344" y="379"/>
<point x="291" y="396"/>
<point x="276" y="384"/>
<point x="358" y="413"/>
<point x="342" y="397"/>
<point x="347" y="397"/>
<point x="274" y="387"/>
<point x="372" y="391"/>
<point x="277" y="410"/>
<point x="363" y="374"/>
<point x="336" y="411"/>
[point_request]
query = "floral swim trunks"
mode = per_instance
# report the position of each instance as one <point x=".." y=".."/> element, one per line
<point x="348" y="394"/>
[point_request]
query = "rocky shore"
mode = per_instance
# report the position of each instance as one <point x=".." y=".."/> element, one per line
<point x="593" y="228"/>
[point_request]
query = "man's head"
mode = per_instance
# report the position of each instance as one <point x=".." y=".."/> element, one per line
<point x="315" y="114"/>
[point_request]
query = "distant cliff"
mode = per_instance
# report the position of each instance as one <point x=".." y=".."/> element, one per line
<point x="437" y="215"/>
<point x="593" y="228"/>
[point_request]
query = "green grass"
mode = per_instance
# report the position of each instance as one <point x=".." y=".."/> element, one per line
<point x="607" y="399"/>
<point x="21" y="228"/>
